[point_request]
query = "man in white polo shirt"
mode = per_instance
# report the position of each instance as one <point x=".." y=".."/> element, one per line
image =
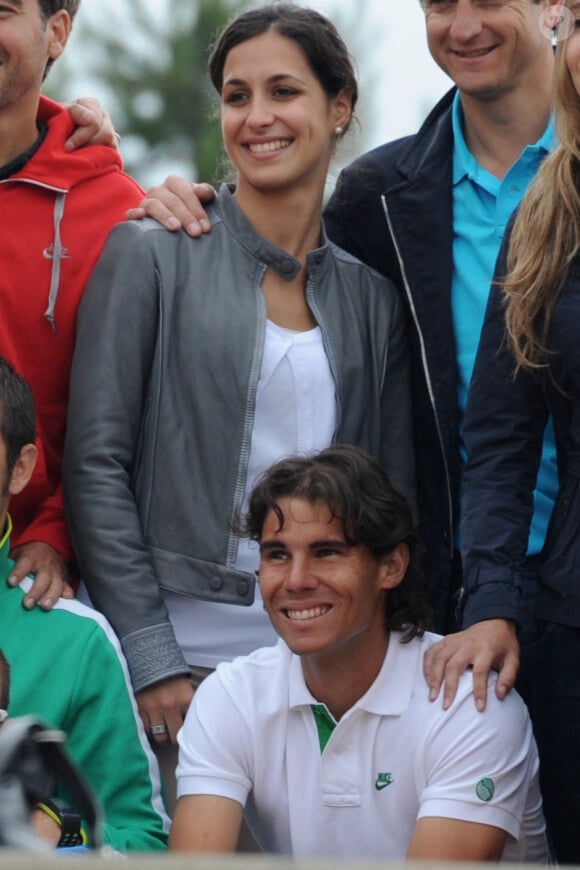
<point x="328" y="739"/>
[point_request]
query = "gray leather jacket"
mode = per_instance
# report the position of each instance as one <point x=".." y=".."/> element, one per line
<point x="168" y="354"/>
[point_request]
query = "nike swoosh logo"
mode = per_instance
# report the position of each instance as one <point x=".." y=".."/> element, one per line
<point x="381" y="784"/>
<point x="48" y="253"/>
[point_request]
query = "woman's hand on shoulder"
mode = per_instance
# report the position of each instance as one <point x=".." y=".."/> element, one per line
<point x="488" y="645"/>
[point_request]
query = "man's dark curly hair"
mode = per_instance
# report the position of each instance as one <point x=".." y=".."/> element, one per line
<point x="373" y="514"/>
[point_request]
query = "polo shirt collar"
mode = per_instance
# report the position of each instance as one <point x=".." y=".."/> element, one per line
<point x="390" y="693"/>
<point x="5" y="561"/>
<point x="464" y="163"/>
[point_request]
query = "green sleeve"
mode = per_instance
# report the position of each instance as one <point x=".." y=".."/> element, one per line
<point x="107" y="741"/>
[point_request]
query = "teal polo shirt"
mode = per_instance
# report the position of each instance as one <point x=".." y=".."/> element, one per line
<point x="482" y="205"/>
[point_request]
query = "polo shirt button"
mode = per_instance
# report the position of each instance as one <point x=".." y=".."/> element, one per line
<point x="216" y="583"/>
<point x="242" y="587"/>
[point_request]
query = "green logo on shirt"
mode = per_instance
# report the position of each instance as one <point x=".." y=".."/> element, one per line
<point x="485" y="789"/>
<point x="383" y="780"/>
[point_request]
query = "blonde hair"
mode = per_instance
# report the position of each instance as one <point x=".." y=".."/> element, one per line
<point x="546" y="232"/>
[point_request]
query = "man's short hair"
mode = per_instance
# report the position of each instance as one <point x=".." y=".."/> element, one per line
<point x="17" y="414"/>
<point x="4" y="681"/>
<point x="373" y="514"/>
<point x="51" y="7"/>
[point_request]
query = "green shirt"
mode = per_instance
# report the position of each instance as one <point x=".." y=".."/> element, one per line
<point x="67" y="669"/>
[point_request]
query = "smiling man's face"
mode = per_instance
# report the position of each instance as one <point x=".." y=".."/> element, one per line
<point x="321" y="593"/>
<point x="488" y="49"/>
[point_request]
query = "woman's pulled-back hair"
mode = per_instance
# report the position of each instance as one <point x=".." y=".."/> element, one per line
<point x="373" y="514"/>
<point x="322" y="45"/>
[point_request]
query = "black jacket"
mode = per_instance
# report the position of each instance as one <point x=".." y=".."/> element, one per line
<point x="504" y="427"/>
<point x="392" y="208"/>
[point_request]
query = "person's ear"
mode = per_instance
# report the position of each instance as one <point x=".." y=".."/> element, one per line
<point x="342" y="109"/>
<point x="23" y="468"/>
<point x="394" y="566"/>
<point x="58" y="32"/>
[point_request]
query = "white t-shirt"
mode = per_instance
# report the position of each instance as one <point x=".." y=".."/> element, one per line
<point x="295" y="412"/>
<point x="251" y="735"/>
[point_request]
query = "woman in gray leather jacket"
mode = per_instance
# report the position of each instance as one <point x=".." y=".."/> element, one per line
<point x="199" y="362"/>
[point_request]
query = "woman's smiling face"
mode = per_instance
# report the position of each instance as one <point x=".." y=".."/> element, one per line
<point x="278" y="123"/>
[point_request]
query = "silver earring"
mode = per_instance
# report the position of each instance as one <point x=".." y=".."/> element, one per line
<point x="338" y="131"/>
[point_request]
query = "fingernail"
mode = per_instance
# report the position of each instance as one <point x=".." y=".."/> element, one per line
<point x="13" y="580"/>
<point x="194" y="229"/>
<point x="480" y="705"/>
<point x="173" y="223"/>
<point x="46" y="603"/>
<point x="29" y="603"/>
<point x="205" y="225"/>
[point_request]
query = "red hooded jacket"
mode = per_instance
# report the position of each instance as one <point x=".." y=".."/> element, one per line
<point x="56" y="214"/>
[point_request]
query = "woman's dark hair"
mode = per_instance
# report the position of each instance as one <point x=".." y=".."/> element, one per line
<point x="373" y="514"/>
<point x="322" y="45"/>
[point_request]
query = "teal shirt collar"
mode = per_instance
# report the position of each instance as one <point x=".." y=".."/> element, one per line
<point x="465" y="164"/>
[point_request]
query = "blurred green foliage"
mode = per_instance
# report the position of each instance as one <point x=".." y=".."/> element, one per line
<point x="155" y="80"/>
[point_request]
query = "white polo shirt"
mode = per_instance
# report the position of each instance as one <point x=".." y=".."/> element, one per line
<point x="251" y="735"/>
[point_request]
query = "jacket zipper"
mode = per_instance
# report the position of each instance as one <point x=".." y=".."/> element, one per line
<point x="329" y="350"/>
<point x="249" y="412"/>
<point x="425" y="367"/>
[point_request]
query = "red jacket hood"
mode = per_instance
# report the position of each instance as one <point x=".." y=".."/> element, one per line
<point x="61" y="171"/>
<point x="55" y="167"/>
